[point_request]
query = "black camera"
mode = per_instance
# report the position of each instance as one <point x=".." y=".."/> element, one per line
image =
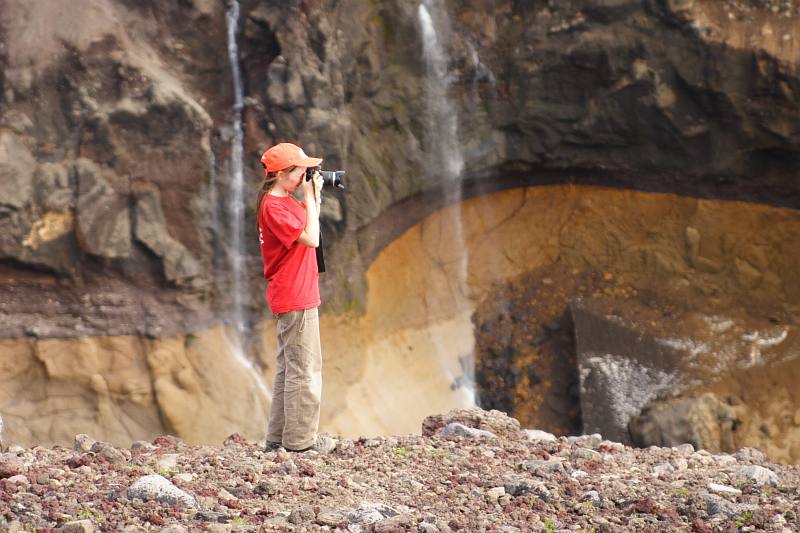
<point x="331" y="178"/>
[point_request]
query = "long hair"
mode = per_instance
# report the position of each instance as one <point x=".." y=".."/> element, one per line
<point x="270" y="178"/>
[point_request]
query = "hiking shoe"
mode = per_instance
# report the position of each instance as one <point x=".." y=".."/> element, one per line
<point x="273" y="446"/>
<point x="323" y="444"/>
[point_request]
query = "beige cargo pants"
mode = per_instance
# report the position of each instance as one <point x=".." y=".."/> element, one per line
<point x="297" y="390"/>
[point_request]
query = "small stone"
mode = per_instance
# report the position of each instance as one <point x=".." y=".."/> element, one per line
<point x="10" y="465"/>
<point x="168" y="462"/>
<point x="521" y="487"/>
<point x="160" y="488"/>
<point x="612" y="446"/>
<point x="725" y="459"/>
<point x="412" y="483"/>
<point x="302" y="515"/>
<point x="174" y="528"/>
<point x="19" y="479"/>
<point x="133" y="528"/>
<point x="427" y="527"/>
<point x="454" y="429"/>
<point x="663" y="469"/>
<point x="586" y="454"/>
<point x="586" y="441"/>
<point x="223" y="494"/>
<point x="578" y="474"/>
<point x="109" y="453"/>
<point x="723" y="489"/>
<point x="494" y="493"/>
<point x="759" y="475"/>
<point x="592" y="496"/>
<point x="288" y="467"/>
<point x="142" y="445"/>
<point x="542" y="468"/>
<point x="331" y="519"/>
<point x="394" y="524"/>
<point x="370" y="513"/>
<point x="698" y="526"/>
<point x="680" y="464"/>
<point x="78" y="526"/>
<point x="686" y="449"/>
<point x="83" y="443"/>
<point x="751" y="455"/>
<point x="538" y="434"/>
<point x="184" y="476"/>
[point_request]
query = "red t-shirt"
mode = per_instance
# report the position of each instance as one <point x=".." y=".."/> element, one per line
<point x="290" y="268"/>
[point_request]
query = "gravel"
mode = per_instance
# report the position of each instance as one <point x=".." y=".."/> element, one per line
<point x="404" y="483"/>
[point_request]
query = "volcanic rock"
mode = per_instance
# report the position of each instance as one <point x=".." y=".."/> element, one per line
<point x="492" y="421"/>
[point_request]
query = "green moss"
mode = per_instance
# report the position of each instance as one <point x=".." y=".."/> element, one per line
<point x="403" y="452"/>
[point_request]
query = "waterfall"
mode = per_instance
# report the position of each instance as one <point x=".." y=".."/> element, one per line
<point x="234" y="245"/>
<point x="443" y="118"/>
<point x="444" y="153"/>
<point x="235" y="207"/>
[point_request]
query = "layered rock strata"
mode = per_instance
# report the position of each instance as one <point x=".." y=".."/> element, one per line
<point x="115" y="130"/>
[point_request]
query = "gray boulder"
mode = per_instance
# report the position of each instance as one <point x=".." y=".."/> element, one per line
<point x="704" y="421"/>
<point x="160" y="488"/>
<point x="759" y="475"/>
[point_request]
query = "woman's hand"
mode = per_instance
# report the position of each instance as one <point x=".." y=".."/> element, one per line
<point x="312" y="188"/>
<point x="312" y="197"/>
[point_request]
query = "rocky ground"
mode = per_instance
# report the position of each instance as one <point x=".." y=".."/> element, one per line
<point x="470" y="470"/>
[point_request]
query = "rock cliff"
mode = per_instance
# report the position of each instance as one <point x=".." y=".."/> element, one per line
<point x="115" y="135"/>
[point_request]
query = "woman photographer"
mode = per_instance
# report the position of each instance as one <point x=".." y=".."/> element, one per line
<point x="288" y="232"/>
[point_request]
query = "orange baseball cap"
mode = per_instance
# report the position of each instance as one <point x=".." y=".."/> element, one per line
<point x="285" y="155"/>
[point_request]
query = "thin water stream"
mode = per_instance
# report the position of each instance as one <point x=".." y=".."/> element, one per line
<point x="444" y="154"/>
<point x="235" y="207"/>
<point x="236" y="250"/>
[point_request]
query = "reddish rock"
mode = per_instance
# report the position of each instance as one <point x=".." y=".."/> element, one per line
<point x="698" y="526"/>
<point x="10" y="466"/>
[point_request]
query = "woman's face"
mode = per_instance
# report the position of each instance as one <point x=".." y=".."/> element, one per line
<point x="291" y="178"/>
